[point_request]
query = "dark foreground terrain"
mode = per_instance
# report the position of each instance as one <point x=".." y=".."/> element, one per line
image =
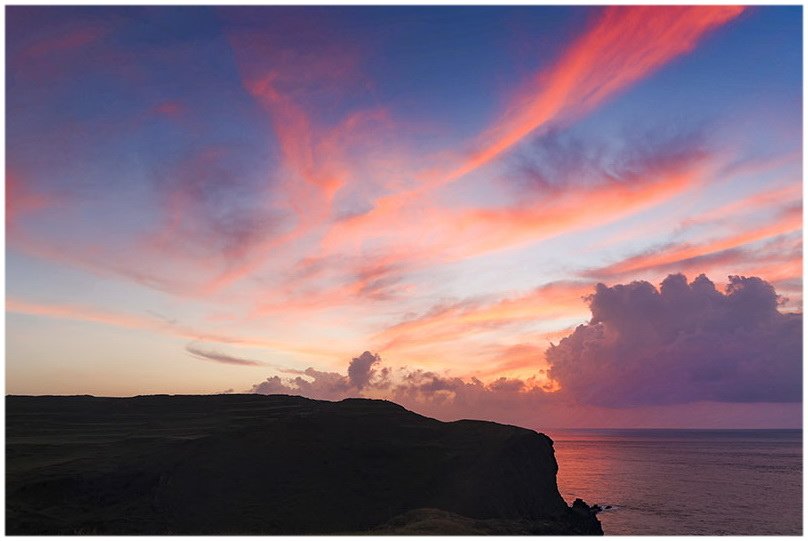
<point x="252" y="464"/>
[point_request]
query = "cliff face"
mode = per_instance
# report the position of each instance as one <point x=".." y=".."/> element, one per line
<point x="272" y="465"/>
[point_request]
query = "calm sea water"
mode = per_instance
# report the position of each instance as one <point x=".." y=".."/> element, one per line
<point x="685" y="482"/>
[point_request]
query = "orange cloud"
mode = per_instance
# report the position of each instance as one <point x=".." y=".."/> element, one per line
<point x="495" y="229"/>
<point x="321" y="283"/>
<point x="625" y="44"/>
<point x="83" y="313"/>
<point x="318" y="158"/>
<point x="453" y="322"/>
<point x="299" y="147"/>
<point x="455" y="234"/>
<point x="791" y="193"/>
<point x="790" y="220"/>
<point x="440" y="235"/>
<point x="764" y="200"/>
<point x="317" y="163"/>
<point x="128" y="263"/>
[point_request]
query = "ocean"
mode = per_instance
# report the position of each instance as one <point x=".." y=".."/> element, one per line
<point x="685" y="482"/>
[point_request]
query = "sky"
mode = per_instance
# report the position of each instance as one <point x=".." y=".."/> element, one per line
<point x="544" y="216"/>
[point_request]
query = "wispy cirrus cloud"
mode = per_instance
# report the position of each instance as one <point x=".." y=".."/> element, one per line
<point x="623" y="45"/>
<point x="789" y="220"/>
<point x="158" y="325"/>
<point x="451" y="322"/>
<point x="219" y="240"/>
<point x="451" y="233"/>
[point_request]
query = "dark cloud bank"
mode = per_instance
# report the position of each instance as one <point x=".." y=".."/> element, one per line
<point x="681" y="344"/>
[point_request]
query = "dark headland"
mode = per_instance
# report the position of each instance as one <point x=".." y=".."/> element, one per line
<point x="252" y="464"/>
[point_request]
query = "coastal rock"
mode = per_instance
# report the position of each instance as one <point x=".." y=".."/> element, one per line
<point x="251" y="464"/>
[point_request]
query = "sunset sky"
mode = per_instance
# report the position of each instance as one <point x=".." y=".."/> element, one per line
<point x="203" y="199"/>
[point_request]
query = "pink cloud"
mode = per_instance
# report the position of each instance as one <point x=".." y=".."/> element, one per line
<point x="623" y="45"/>
<point x="127" y="321"/>
<point x="788" y="221"/>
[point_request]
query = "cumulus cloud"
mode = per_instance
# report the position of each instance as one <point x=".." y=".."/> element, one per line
<point x="361" y="371"/>
<point x="684" y="342"/>
<point x="425" y="391"/>
<point x="310" y="383"/>
<point x="314" y="383"/>
<point x="686" y="352"/>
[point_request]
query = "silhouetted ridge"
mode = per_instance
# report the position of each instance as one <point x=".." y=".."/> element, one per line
<point x="276" y="464"/>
